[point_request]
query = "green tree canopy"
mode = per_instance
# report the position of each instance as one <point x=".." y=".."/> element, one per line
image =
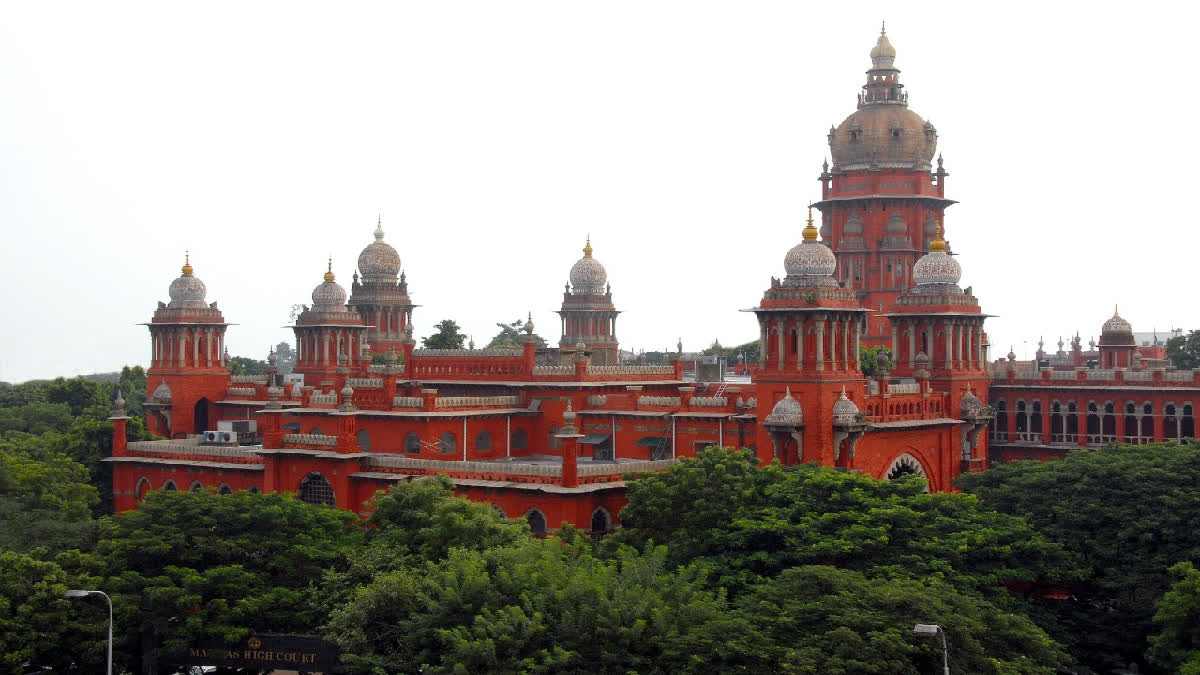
<point x="244" y="365"/>
<point x="1176" y="647"/>
<point x="77" y="393"/>
<point x="446" y="335"/>
<point x="749" y="522"/>
<point x="285" y="358"/>
<point x="1184" y="350"/>
<point x="197" y="565"/>
<point x="44" y="503"/>
<point x="39" y="628"/>
<point x="1128" y="513"/>
<point x="869" y="360"/>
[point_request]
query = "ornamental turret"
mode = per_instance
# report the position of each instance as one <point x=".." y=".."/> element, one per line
<point x="380" y="296"/>
<point x="328" y="333"/>
<point x="1117" y="344"/>
<point x="187" y="340"/>
<point x="588" y="314"/>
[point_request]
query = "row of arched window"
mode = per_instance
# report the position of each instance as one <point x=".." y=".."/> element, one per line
<point x="601" y="522"/>
<point x="447" y="443"/>
<point x="903" y="409"/>
<point x="143" y="486"/>
<point x="1100" y="422"/>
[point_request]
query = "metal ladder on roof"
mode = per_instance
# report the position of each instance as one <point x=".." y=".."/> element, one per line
<point x="721" y="390"/>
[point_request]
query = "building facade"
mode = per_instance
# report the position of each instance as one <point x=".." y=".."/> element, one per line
<point x="552" y="439"/>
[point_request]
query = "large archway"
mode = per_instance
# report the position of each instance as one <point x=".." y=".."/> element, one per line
<point x="200" y="417"/>
<point x="906" y="465"/>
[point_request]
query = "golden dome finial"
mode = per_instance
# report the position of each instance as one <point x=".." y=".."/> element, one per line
<point x="587" y="248"/>
<point x="187" y="264"/>
<point x="938" y="245"/>
<point x="329" y="270"/>
<point x="810" y="231"/>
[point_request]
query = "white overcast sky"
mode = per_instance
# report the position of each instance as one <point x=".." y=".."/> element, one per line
<point x="686" y="137"/>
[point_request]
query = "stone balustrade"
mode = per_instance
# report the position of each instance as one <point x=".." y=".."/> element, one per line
<point x="310" y="439"/>
<point x="1178" y="376"/>
<point x="1101" y="375"/>
<point x="240" y="391"/>
<point x="660" y="401"/>
<point x="188" y="447"/>
<point x="365" y="382"/>
<point x="468" y="352"/>
<point x="709" y="401"/>
<point x="597" y="401"/>
<point x="899" y="388"/>
<point x="407" y="402"/>
<point x="630" y="370"/>
<point x="476" y="401"/>
<point x="249" y="379"/>
<point x="439" y="465"/>
<point x="1139" y="376"/>
<point x="553" y="370"/>
<point x="604" y="469"/>
<point x="1060" y="375"/>
<point x="324" y="399"/>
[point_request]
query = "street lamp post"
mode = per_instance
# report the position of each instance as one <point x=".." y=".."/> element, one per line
<point x="932" y="630"/>
<point x="83" y="594"/>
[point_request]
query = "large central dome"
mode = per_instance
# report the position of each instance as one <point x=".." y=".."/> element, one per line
<point x="379" y="261"/>
<point x="883" y="132"/>
<point x="588" y="276"/>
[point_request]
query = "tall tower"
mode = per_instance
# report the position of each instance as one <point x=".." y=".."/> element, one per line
<point x="188" y="371"/>
<point x="809" y="345"/>
<point x="381" y="299"/>
<point x="329" y="336"/>
<point x="881" y="201"/>
<point x="588" y="315"/>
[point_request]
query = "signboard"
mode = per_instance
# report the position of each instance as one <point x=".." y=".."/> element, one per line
<point x="263" y="651"/>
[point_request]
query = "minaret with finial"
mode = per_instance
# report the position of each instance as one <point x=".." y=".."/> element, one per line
<point x="588" y="315"/>
<point x="381" y="297"/>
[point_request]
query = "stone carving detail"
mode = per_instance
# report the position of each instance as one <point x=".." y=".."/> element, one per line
<point x="660" y="401"/>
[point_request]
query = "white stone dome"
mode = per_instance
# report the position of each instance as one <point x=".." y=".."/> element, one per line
<point x="970" y="404"/>
<point x="787" y="412"/>
<point x="379" y="261"/>
<point x="187" y="291"/>
<point x="844" y="409"/>
<point x="937" y="267"/>
<point x="1116" y="324"/>
<point x="809" y="258"/>
<point x="588" y="276"/>
<point x="329" y="294"/>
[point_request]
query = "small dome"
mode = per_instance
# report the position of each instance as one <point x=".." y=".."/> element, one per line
<point x="896" y="224"/>
<point x="1116" y="324"/>
<point x="970" y="404"/>
<point x="187" y="291"/>
<point x="329" y="294"/>
<point x="787" y="412"/>
<point x="854" y="225"/>
<point x="809" y="258"/>
<point x="588" y="276"/>
<point x="883" y="53"/>
<point x="379" y="261"/>
<point x="162" y="394"/>
<point x="844" y="409"/>
<point x="937" y="267"/>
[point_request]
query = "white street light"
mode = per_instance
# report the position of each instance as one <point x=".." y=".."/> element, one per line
<point x="75" y="593"/>
<point x="928" y="630"/>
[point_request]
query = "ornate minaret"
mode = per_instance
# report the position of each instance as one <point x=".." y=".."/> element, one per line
<point x="881" y="199"/>
<point x="380" y="298"/>
<point x="1117" y="345"/>
<point x="328" y="335"/>
<point x="809" y="336"/>
<point x="188" y="371"/>
<point x="588" y="315"/>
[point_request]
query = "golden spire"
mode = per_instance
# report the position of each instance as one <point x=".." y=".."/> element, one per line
<point x="810" y="232"/>
<point x="187" y="265"/>
<point x="938" y="245"/>
<point x="587" y="249"/>
<point x="329" y="270"/>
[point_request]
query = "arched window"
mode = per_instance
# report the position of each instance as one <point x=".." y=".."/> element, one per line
<point x="169" y="486"/>
<point x="906" y="465"/>
<point x="1148" y="421"/>
<point x="1093" y="423"/>
<point x="1056" y="422"/>
<point x="254" y="490"/>
<point x="1170" y="422"/>
<point x="601" y="521"/>
<point x="1133" y="435"/>
<point x="1022" y="422"/>
<point x="483" y="442"/>
<point x="363" y="439"/>
<point x="537" y="521"/>
<point x="520" y="440"/>
<point x="143" y="485"/>
<point x="1108" y="423"/>
<point x="447" y="443"/>
<point x="1000" y="421"/>
<point x="224" y="489"/>
<point x="314" y="489"/>
<point x="1073" y="422"/>
<point x="499" y="510"/>
<point x="412" y="443"/>
<point x="1187" y="422"/>
<point x="316" y="431"/>
<point x="1035" y="421"/>
<point x="196" y="486"/>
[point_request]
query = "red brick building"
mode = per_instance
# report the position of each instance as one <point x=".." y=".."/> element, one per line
<point x="551" y="439"/>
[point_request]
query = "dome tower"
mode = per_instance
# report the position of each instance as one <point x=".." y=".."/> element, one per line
<point x="1117" y="344"/>
<point x="588" y="314"/>
<point x="187" y="368"/>
<point x="808" y="336"/>
<point x="881" y="195"/>
<point x="329" y="335"/>
<point x="381" y="297"/>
